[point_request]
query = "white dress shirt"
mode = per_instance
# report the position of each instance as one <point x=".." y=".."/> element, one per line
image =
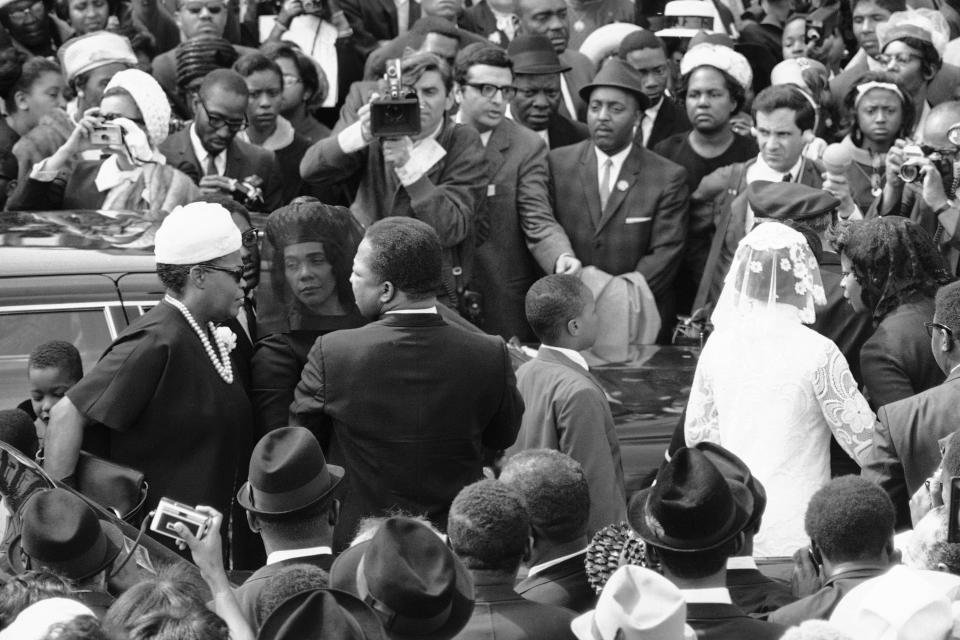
<point x="219" y="160"/>
<point x="537" y="568"/>
<point x="617" y="163"/>
<point x="649" y="117"/>
<point x="573" y="355"/>
<point x="410" y="312"/>
<point x="715" y="595"/>
<point x="290" y="554"/>
<point x="567" y="97"/>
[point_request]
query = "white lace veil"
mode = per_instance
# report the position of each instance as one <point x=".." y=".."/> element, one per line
<point x="774" y="275"/>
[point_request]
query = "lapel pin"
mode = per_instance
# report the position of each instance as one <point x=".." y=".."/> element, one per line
<point x="622" y="185"/>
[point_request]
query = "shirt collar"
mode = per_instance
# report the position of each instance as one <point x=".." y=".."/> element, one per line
<point x="762" y="171"/>
<point x="618" y="159"/>
<point x="290" y="554"/>
<point x="111" y="175"/>
<point x="714" y="595"/>
<point x="651" y="112"/>
<point x="570" y="353"/>
<point x="537" y="568"/>
<point x="410" y="312"/>
<point x="741" y="562"/>
<point x="201" y="152"/>
<point x="281" y="138"/>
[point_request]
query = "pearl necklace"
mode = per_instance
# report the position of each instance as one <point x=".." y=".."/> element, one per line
<point x="221" y="364"/>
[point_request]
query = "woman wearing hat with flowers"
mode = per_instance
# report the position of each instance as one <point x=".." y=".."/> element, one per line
<point x="165" y="391"/>
<point x="134" y="176"/>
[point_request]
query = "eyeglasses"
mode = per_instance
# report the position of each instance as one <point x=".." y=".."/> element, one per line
<point x="490" y="90"/>
<point x="902" y="59"/>
<point x="289" y="79"/>
<point x="35" y="10"/>
<point x="236" y="272"/>
<point x="250" y="237"/>
<point x="930" y="326"/>
<point x="216" y="121"/>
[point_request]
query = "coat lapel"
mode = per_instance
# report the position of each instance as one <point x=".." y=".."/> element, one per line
<point x="628" y="176"/>
<point x="591" y="184"/>
<point x="498" y="143"/>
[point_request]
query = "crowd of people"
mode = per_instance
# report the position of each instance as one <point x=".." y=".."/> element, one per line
<point x="360" y="209"/>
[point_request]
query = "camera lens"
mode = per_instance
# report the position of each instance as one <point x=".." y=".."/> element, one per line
<point x="909" y="172"/>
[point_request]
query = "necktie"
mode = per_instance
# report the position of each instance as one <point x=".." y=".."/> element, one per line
<point x="786" y="178"/>
<point x="605" y="183"/>
<point x="211" y="167"/>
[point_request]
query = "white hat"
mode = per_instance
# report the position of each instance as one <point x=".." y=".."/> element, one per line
<point x="790" y="71"/>
<point x="923" y="24"/>
<point x="641" y="604"/>
<point x="93" y="50"/>
<point x="34" y="622"/>
<point x="150" y="98"/>
<point x="195" y="233"/>
<point x="902" y="604"/>
<point x="718" y="57"/>
<point x="606" y="40"/>
<point x="687" y="18"/>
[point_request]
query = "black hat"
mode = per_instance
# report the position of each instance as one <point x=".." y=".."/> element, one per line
<point x="691" y="507"/>
<point x="62" y="533"/>
<point x="736" y="471"/>
<point x="534" y="54"/>
<point x="619" y="74"/>
<point x="322" y="613"/>
<point x="307" y="219"/>
<point x="411" y="578"/>
<point x="789" y="200"/>
<point x="288" y="473"/>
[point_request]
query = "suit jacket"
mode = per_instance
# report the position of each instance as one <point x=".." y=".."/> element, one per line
<point x="376" y="64"/>
<point x="564" y="584"/>
<point x="905" y="442"/>
<point x="755" y="593"/>
<point x="502" y="614"/>
<point x="643" y="225"/>
<point x="374" y="21"/>
<point x="486" y="23"/>
<point x="580" y="74"/>
<point x="243" y="160"/>
<point x="410" y="401"/>
<point x="564" y="132"/>
<point x="248" y="593"/>
<point x="671" y="119"/>
<point x="717" y="621"/>
<point x="447" y="198"/>
<point x="567" y="410"/>
<point x="524" y="238"/>
<point x="819" y="605"/>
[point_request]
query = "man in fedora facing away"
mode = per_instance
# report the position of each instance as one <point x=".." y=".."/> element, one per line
<point x="290" y="501"/>
<point x="623" y="207"/>
<point x="409" y="402"/>
<point x="692" y="520"/>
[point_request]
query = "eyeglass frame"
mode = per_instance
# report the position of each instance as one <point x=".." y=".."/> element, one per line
<point x="250" y="237"/>
<point x="488" y="90"/>
<point x="212" y="119"/>
<point x="236" y="274"/>
<point x="20" y="14"/>
<point x="930" y="326"/>
<point x="885" y="59"/>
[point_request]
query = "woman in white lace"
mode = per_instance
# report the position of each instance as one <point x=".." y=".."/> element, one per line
<point x="772" y="390"/>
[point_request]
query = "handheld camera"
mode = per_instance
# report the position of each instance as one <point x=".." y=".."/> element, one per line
<point x="910" y="169"/>
<point x="170" y="512"/>
<point x="397" y="113"/>
<point x="107" y="135"/>
<point x="822" y="23"/>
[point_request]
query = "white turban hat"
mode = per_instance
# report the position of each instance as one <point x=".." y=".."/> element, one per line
<point x="196" y="232"/>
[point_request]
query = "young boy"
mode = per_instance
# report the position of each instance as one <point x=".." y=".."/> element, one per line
<point x="53" y="367"/>
<point x="566" y="408"/>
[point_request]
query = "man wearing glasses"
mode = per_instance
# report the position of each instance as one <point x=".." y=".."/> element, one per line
<point x="522" y="230"/>
<point x="29" y="26"/>
<point x="208" y="150"/>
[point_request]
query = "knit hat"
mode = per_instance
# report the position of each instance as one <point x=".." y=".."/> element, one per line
<point x="718" y="57"/>
<point x="150" y="100"/>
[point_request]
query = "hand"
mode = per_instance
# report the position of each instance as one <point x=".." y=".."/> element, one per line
<point x="290" y="10"/>
<point x="216" y="184"/>
<point x="742" y="123"/>
<point x="363" y="115"/>
<point x="928" y="497"/>
<point x="894" y="161"/>
<point x="568" y="264"/>
<point x="806" y="577"/>
<point x="206" y="551"/>
<point x="397" y="150"/>
<point x="838" y="185"/>
<point x="80" y="136"/>
<point x="933" y="193"/>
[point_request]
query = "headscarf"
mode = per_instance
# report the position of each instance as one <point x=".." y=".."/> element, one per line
<point x="150" y="100"/>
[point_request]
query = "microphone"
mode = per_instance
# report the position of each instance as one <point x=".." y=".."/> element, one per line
<point x="836" y="159"/>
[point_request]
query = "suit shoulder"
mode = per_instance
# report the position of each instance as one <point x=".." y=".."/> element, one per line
<point x="176" y="141"/>
<point x="564" y="155"/>
<point x="522" y="136"/>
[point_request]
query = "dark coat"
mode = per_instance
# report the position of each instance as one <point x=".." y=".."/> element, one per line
<point x="502" y="614"/>
<point x="376" y="64"/>
<point x="755" y="593"/>
<point x="410" y="401"/>
<point x="564" y="584"/>
<point x="524" y="238"/>
<point x="79" y="192"/>
<point x="243" y="161"/>
<point x="248" y="593"/>
<point x="374" y="21"/>
<point x="717" y="621"/>
<point x="563" y="132"/>
<point x="486" y="23"/>
<point x="671" y="119"/>
<point x="906" y="448"/>
<point x="820" y="605"/>
<point x="581" y="73"/>
<point x="643" y="226"/>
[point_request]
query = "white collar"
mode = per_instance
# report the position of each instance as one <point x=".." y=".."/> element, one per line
<point x="741" y="562"/>
<point x="290" y="554"/>
<point x="762" y="171"/>
<point x="570" y="353"/>
<point x="713" y="595"/>
<point x="111" y="175"/>
<point x="617" y="158"/>
<point x="281" y="138"/>
<point x="537" y="568"/>
<point x="651" y="112"/>
<point x="410" y="312"/>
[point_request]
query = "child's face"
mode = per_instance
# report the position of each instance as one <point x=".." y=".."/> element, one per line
<point x="47" y="386"/>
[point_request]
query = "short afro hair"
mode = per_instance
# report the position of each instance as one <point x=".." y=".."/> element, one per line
<point x="947" y="306"/>
<point x="251" y="63"/>
<point x="174" y="276"/>
<point x="947" y="553"/>
<point x="57" y="354"/>
<point x="850" y="519"/>
<point x="488" y="526"/>
<point x="407" y="253"/>
<point x="287" y="583"/>
<point x="17" y="430"/>
<point x="484" y="53"/>
<point x="551" y="302"/>
<point x="554" y="489"/>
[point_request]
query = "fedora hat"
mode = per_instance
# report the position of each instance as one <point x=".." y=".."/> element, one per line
<point x="636" y="604"/>
<point x="619" y="74"/>
<point x="62" y="533"/>
<point x="288" y="473"/>
<point x="406" y="573"/>
<point x="322" y="613"/>
<point x="533" y="54"/>
<point x="691" y="507"/>
<point x="735" y="470"/>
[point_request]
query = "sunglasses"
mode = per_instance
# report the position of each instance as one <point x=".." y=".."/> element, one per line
<point x="930" y="326"/>
<point x="236" y="272"/>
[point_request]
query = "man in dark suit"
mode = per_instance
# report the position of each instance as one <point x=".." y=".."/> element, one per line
<point x="454" y="37"/>
<point x="495" y="20"/>
<point x="290" y="501"/>
<point x="536" y="106"/>
<point x="407" y="402"/>
<point x="376" y="23"/>
<point x="524" y="237"/>
<point x="554" y="488"/>
<point x="623" y="207"/>
<point x="208" y="150"/>
<point x="488" y="530"/>
<point x="692" y="520"/>
<point x="663" y="117"/>
<point x="906" y="439"/>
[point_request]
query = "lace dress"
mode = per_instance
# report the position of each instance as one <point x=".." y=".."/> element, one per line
<point x="771" y="390"/>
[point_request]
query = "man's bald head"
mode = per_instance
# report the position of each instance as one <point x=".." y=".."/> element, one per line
<point x="938" y="122"/>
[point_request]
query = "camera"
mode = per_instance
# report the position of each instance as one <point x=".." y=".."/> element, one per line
<point x="170" y="512"/>
<point x="106" y="135"/>
<point x="910" y="169"/>
<point x="398" y="112"/>
<point x="822" y="23"/>
<point x="248" y="191"/>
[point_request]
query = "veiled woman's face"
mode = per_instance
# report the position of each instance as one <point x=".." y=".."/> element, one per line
<point x="852" y="290"/>
<point x="309" y="275"/>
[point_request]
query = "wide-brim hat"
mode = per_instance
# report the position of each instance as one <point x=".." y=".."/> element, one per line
<point x="322" y="613"/>
<point x="691" y="507"/>
<point x="619" y="74"/>
<point x="406" y="562"/>
<point x="63" y="533"/>
<point x="789" y="201"/>
<point x="287" y="474"/>
<point x="736" y="470"/>
<point x="534" y="55"/>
